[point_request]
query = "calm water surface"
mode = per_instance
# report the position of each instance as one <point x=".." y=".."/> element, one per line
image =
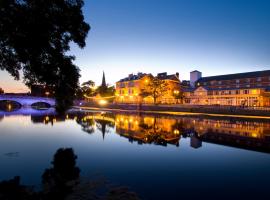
<point x="159" y="157"/>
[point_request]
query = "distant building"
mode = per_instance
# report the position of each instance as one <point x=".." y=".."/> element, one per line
<point x="242" y="89"/>
<point x="128" y="89"/>
<point x="41" y="91"/>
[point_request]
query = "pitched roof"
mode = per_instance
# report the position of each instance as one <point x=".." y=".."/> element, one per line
<point x="169" y="77"/>
<point x="165" y="76"/>
<point x="235" y="76"/>
<point x="162" y="76"/>
<point x="133" y="77"/>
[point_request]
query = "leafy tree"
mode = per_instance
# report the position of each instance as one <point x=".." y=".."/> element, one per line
<point x="35" y="37"/>
<point x="86" y="89"/>
<point x="179" y="95"/>
<point x="1" y="91"/>
<point x="106" y="91"/>
<point x="155" y="88"/>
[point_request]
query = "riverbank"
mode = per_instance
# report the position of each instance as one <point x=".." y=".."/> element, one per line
<point x="182" y="110"/>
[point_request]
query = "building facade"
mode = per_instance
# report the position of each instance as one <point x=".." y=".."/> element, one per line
<point x="128" y="90"/>
<point x="243" y="89"/>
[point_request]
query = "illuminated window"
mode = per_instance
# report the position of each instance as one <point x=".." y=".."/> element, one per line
<point x="246" y="91"/>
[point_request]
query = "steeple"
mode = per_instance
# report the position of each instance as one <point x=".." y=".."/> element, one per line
<point x="103" y="84"/>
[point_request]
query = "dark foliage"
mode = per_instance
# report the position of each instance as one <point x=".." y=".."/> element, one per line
<point x="35" y="37"/>
<point x="59" y="180"/>
<point x="62" y="181"/>
<point x="12" y="190"/>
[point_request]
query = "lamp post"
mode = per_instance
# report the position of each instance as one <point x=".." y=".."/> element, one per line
<point x="47" y="94"/>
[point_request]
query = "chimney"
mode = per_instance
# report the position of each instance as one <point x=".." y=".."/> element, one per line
<point x="194" y="76"/>
<point x="177" y="74"/>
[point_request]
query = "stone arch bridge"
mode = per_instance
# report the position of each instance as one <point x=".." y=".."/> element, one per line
<point x="26" y="101"/>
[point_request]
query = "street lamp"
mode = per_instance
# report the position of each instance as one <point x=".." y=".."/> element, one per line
<point x="47" y="94"/>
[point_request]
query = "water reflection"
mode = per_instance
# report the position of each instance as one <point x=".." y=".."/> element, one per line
<point x="155" y="155"/>
<point x="163" y="130"/>
<point x="63" y="181"/>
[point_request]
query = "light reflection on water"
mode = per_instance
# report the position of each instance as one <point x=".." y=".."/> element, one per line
<point x="157" y="156"/>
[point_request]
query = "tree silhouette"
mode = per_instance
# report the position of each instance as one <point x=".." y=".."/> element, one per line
<point x="1" y="91"/>
<point x="35" y="37"/>
<point x="59" y="180"/>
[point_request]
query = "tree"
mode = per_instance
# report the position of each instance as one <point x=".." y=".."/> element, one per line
<point x="106" y="91"/>
<point x="35" y="37"/>
<point x="155" y="88"/>
<point x="86" y="89"/>
<point x="178" y="95"/>
<point x="1" y="91"/>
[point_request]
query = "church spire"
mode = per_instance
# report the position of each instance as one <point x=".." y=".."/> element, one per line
<point x="103" y="84"/>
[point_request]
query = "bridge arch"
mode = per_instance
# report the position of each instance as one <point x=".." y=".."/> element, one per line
<point x="10" y="105"/>
<point x="41" y="105"/>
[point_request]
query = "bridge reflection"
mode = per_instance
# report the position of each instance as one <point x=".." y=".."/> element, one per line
<point x="249" y="134"/>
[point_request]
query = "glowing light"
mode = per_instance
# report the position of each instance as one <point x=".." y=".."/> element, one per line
<point x="102" y="102"/>
<point x="176" y="132"/>
<point x="254" y="135"/>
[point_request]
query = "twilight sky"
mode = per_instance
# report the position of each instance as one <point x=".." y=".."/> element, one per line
<point x="130" y="36"/>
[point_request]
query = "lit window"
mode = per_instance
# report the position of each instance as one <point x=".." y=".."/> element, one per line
<point x="246" y="91"/>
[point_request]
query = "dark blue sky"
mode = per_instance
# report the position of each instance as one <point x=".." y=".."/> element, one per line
<point x="213" y="36"/>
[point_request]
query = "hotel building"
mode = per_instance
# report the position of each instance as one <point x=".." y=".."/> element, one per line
<point x="128" y="89"/>
<point x="242" y="89"/>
